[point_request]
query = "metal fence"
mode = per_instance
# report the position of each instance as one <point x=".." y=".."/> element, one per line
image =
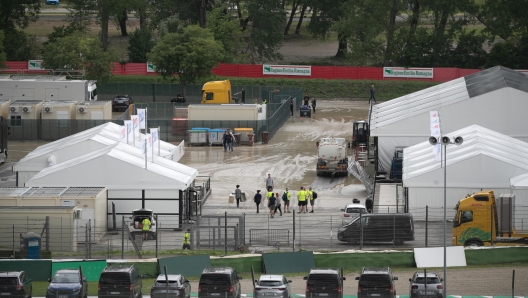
<point x="152" y="92"/>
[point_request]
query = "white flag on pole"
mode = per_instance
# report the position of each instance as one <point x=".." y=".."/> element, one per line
<point x="144" y="148"/>
<point x="128" y="126"/>
<point x="142" y="118"/>
<point x="122" y="134"/>
<point x="154" y="132"/>
<point x="149" y="144"/>
<point x="135" y="126"/>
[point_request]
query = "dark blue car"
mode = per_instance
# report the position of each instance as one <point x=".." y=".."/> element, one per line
<point x="68" y="283"/>
<point x="52" y="2"/>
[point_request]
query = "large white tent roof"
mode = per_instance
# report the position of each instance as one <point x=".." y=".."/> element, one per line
<point x="441" y="96"/>
<point x="485" y="159"/>
<point x="109" y="130"/>
<point x="72" y="147"/>
<point x="116" y="166"/>
<point x="519" y="182"/>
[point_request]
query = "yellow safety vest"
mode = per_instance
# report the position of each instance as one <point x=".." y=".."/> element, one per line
<point x="301" y="195"/>
<point x="146" y="224"/>
<point x="186" y="238"/>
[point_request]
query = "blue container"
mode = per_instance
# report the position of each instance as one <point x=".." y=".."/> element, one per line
<point x="215" y="136"/>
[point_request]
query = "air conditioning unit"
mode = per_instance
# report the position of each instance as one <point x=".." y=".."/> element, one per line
<point x="13" y="109"/>
<point x="77" y="214"/>
<point x="26" y="109"/>
<point x="82" y="110"/>
<point x="48" y="109"/>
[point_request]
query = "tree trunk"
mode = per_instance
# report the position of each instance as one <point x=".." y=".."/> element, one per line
<point x="202" y="13"/>
<point x="123" y="22"/>
<point x="104" y="27"/>
<point x="342" y="47"/>
<point x="143" y="18"/>
<point x="390" y="31"/>
<point x="301" y="17"/>
<point x="293" y="11"/>
<point x="415" y="17"/>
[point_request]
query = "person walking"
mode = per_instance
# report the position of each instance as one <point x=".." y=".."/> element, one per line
<point x="224" y="140"/>
<point x="269" y="183"/>
<point x="257" y="198"/>
<point x="372" y="94"/>
<point x="369" y="204"/>
<point x="230" y="140"/>
<point x="313" y="196"/>
<point x="286" y="199"/>
<point x="306" y="99"/>
<point x="314" y="103"/>
<point x="238" y="195"/>
<point x="291" y="106"/>
<point x="278" y="203"/>
<point x="271" y="205"/>
<point x="187" y="240"/>
<point x="301" y="197"/>
<point x="146" y="228"/>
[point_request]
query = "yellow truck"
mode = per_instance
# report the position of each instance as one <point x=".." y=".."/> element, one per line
<point x="217" y="92"/>
<point x="481" y="221"/>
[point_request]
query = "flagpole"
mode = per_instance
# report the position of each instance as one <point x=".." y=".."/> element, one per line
<point x="145" y="152"/>
<point x="159" y="140"/>
<point x="145" y="131"/>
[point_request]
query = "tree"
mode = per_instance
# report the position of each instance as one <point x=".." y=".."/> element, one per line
<point x="19" y="46"/>
<point x="325" y="14"/>
<point x="81" y="12"/>
<point x="15" y="14"/>
<point x="139" y="44"/>
<point x="78" y="51"/>
<point x="226" y="30"/>
<point x="189" y="55"/>
<point x="2" y="53"/>
<point x="267" y="30"/>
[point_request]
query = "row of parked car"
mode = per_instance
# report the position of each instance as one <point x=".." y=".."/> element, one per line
<point x="220" y="282"/>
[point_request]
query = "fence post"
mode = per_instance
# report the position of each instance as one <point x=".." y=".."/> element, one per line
<point x="89" y="239"/>
<point x="268" y="231"/>
<point x="513" y="284"/>
<point x="225" y="233"/>
<point x="123" y="237"/>
<point x="360" y="231"/>
<point x="47" y="233"/>
<point x="293" y="237"/>
<point x="157" y="234"/>
<point x="426" y="224"/>
<point x="13" y="241"/>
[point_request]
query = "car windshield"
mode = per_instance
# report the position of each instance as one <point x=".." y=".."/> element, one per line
<point x="8" y="281"/>
<point x="114" y="278"/>
<point x="66" y="278"/>
<point x="162" y="282"/>
<point x="430" y="280"/>
<point x="269" y="283"/>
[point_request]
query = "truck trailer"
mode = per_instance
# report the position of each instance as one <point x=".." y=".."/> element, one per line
<point x="53" y="88"/>
<point x="481" y="221"/>
<point x="331" y="157"/>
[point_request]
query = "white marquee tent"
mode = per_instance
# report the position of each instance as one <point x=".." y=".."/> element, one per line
<point x="116" y="166"/>
<point x="496" y="98"/>
<point x="79" y="144"/>
<point x="485" y="161"/>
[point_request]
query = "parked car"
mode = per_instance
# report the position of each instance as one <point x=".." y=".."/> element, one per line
<point x="219" y="282"/>
<point x="172" y="285"/>
<point x="136" y="227"/>
<point x="120" y="281"/>
<point x="352" y="211"/>
<point x="324" y="282"/>
<point x="397" y="228"/>
<point x="67" y="283"/>
<point x="426" y="285"/>
<point x="272" y="285"/>
<point x="15" y="284"/>
<point x="52" y="2"/>
<point x="121" y="102"/>
<point x="376" y="282"/>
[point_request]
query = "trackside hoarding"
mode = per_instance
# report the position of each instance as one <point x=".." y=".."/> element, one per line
<point x="412" y="73"/>
<point x="287" y="70"/>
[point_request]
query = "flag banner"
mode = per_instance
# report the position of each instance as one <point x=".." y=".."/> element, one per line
<point x="128" y="125"/>
<point x="135" y="126"/>
<point x="154" y="132"/>
<point x="144" y="148"/>
<point x="122" y="134"/>
<point x="148" y="137"/>
<point x="142" y="113"/>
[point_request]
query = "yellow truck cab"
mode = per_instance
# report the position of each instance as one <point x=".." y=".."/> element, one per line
<point x="217" y="92"/>
<point x="477" y="222"/>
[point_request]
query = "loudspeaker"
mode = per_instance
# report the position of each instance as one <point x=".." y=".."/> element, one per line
<point x="433" y="140"/>
<point x="459" y="141"/>
<point x="446" y="141"/>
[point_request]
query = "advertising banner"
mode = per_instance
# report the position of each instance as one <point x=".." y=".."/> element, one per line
<point x="412" y="73"/>
<point x="287" y="70"/>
